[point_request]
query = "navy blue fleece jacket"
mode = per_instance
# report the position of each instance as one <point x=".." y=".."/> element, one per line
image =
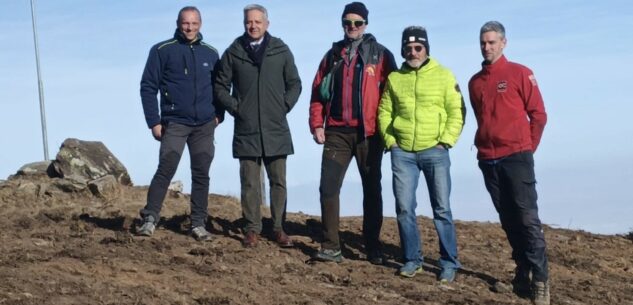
<point x="182" y="72"/>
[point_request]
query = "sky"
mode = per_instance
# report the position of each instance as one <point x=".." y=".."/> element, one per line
<point x="92" y="55"/>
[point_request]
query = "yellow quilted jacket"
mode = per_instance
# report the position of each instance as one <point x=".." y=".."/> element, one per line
<point x="421" y="108"/>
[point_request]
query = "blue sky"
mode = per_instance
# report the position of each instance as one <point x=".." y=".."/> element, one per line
<point x="92" y="54"/>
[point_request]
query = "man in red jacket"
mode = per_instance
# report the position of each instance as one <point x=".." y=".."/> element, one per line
<point x="343" y="116"/>
<point x="511" y="117"/>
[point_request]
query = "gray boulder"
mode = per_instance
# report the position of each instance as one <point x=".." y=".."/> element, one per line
<point x="84" y="161"/>
<point x="37" y="169"/>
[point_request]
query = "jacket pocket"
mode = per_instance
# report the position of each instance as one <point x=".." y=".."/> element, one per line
<point x="168" y="104"/>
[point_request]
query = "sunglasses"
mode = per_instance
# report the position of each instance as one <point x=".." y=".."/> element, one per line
<point x="409" y="49"/>
<point x="356" y="23"/>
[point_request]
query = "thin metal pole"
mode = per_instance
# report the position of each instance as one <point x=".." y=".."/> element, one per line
<point x="40" y="85"/>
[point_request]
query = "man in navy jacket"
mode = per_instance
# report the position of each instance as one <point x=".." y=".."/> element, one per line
<point x="181" y="71"/>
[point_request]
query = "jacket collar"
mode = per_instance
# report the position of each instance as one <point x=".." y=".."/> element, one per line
<point x="274" y="46"/>
<point x="337" y="47"/>
<point x="428" y="64"/>
<point x="502" y="61"/>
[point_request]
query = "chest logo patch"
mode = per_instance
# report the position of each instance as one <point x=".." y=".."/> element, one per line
<point x="206" y="64"/>
<point x="371" y="70"/>
<point x="502" y="86"/>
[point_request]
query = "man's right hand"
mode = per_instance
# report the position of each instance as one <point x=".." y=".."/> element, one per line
<point x="319" y="135"/>
<point x="157" y="132"/>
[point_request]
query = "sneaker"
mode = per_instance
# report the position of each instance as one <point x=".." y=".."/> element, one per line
<point x="328" y="255"/>
<point x="200" y="234"/>
<point x="521" y="281"/>
<point x="447" y="275"/>
<point x="148" y="227"/>
<point x="540" y="293"/>
<point x="410" y="269"/>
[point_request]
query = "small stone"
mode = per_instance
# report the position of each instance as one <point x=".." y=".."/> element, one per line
<point x="176" y="186"/>
<point x="104" y="187"/>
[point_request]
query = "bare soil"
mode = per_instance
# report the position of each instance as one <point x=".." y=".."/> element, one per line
<point x="65" y="248"/>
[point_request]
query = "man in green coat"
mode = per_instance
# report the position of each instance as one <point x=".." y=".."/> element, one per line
<point x="258" y="84"/>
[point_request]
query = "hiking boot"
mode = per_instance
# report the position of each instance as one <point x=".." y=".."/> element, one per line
<point x="447" y="275"/>
<point x="200" y="234"/>
<point x="540" y="293"/>
<point x="148" y="227"/>
<point x="328" y="255"/>
<point x="283" y="240"/>
<point x="410" y="269"/>
<point x="250" y="240"/>
<point x="521" y="281"/>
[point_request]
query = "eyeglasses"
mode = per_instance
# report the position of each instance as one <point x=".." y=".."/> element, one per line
<point x="409" y="49"/>
<point x="356" y="23"/>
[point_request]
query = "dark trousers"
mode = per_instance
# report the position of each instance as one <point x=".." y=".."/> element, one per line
<point x="338" y="151"/>
<point x="512" y="186"/>
<point x="199" y="140"/>
<point x="251" y="197"/>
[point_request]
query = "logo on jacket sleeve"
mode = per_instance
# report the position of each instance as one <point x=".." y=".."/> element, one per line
<point x="502" y="86"/>
<point x="532" y="79"/>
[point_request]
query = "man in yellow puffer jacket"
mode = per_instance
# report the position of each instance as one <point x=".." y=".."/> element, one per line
<point x="421" y="115"/>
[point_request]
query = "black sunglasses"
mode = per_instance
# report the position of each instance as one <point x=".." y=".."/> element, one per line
<point x="409" y="49"/>
<point x="356" y="23"/>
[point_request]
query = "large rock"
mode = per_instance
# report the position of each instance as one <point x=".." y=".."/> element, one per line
<point x="84" y="161"/>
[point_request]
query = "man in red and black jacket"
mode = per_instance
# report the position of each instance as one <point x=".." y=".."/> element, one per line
<point x="511" y="117"/>
<point x="343" y="116"/>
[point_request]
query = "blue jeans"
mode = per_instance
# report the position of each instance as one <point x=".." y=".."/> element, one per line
<point x="435" y="163"/>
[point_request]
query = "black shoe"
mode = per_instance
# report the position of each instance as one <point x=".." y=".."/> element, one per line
<point x="376" y="258"/>
<point x="521" y="283"/>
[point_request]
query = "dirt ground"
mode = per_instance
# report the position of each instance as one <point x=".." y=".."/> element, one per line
<point x="76" y="249"/>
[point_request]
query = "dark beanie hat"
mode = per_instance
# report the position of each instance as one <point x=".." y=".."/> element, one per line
<point x="357" y="8"/>
<point x="414" y="34"/>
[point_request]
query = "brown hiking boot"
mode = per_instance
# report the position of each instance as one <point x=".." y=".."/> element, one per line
<point x="250" y="240"/>
<point x="540" y="293"/>
<point x="283" y="240"/>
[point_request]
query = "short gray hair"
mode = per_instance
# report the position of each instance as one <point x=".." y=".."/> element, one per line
<point x="493" y="26"/>
<point x="188" y="9"/>
<point x="256" y="7"/>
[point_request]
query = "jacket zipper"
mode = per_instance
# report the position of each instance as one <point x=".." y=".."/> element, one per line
<point x="347" y="98"/>
<point x="195" y="84"/>
<point x="361" y="120"/>
<point x="415" y="106"/>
